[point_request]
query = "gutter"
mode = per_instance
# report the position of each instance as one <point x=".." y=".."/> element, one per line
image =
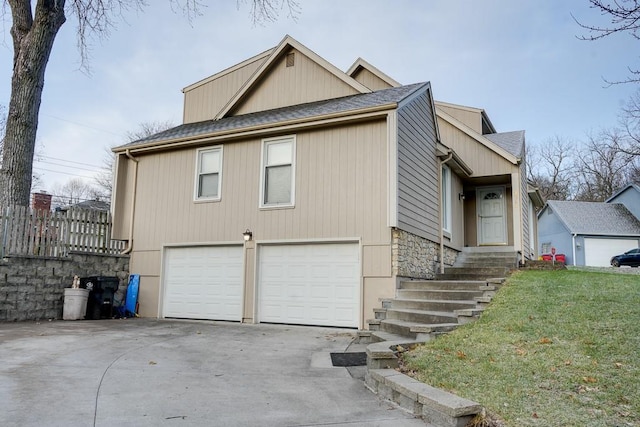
<point x="573" y="248"/>
<point x="133" y="202"/>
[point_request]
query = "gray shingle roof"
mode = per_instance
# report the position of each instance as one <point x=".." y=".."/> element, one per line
<point x="596" y="218"/>
<point x="301" y="111"/>
<point x="513" y="142"/>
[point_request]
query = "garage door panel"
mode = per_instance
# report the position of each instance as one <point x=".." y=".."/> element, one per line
<point x="598" y="252"/>
<point x="316" y="284"/>
<point x="203" y="283"/>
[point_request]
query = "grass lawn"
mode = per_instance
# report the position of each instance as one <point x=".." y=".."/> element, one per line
<point x="554" y="348"/>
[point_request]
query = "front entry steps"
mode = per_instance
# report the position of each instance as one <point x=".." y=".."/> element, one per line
<point x="423" y="310"/>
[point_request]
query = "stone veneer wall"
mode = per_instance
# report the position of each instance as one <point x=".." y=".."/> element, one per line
<point x="32" y="288"/>
<point x="416" y="257"/>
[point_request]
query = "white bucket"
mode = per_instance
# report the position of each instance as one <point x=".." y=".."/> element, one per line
<point x="75" y="304"/>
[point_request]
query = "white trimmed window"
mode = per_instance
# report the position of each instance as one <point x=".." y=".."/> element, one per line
<point x="208" y="173"/>
<point x="446" y="199"/>
<point x="278" y="172"/>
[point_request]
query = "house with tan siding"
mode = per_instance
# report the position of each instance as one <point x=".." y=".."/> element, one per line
<point x="297" y="193"/>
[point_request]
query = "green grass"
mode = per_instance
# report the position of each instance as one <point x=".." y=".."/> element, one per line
<point x="554" y="348"/>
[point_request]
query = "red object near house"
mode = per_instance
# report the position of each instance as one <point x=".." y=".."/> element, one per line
<point x="558" y="258"/>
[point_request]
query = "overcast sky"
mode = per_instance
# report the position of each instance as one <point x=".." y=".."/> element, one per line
<point x="519" y="60"/>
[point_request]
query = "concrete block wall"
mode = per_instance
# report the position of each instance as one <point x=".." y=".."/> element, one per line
<point x="32" y="288"/>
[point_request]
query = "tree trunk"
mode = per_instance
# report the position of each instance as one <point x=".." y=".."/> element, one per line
<point x="33" y="39"/>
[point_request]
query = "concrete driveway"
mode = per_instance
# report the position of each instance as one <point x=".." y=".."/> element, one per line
<point x="140" y="372"/>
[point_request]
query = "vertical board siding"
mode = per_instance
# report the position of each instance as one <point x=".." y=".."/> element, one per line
<point x="479" y="158"/>
<point x="205" y="101"/>
<point x="418" y="200"/>
<point x="526" y="240"/>
<point x="340" y="192"/>
<point x="311" y="82"/>
<point x="470" y="117"/>
<point x="370" y="80"/>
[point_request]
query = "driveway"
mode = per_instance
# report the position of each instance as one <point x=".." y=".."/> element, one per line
<point x="141" y="372"/>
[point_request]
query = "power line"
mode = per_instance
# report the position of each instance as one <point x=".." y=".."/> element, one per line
<point x="66" y="166"/>
<point x="61" y="173"/>
<point x="68" y="161"/>
<point x="83" y="125"/>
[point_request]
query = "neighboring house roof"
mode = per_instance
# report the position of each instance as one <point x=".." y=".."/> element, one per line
<point x="622" y="190"/>
<point x="595" y="218"/>
<point x="94" y="205"/>
<point x="513" y="142"/>
<point x="295" y="112"/>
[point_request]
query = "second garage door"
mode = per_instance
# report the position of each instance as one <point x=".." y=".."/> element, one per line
<point x="598" y="252"/>
<point x="309" y="284"/>
<point x="203" y="282"/>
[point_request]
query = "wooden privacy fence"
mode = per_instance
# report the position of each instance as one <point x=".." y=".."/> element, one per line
<point x="24" y="231"/>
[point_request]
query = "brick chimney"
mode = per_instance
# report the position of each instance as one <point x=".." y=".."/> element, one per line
<point x="41" y="202"/>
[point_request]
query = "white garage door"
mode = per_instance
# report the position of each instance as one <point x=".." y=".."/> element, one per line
<point x="598" y="252"/>
<point x="203" y="282"/>
<point x="310" y="284"/>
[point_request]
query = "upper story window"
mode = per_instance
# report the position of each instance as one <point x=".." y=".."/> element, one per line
<point x="208" y="173"/>
<point x="446" y="199"/>
<point x="278" y="172"/>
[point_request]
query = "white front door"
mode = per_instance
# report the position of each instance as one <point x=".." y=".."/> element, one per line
<point x="492" y="224"/>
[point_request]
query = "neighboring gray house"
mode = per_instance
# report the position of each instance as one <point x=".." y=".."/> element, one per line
<point x="587" y="233"/>
<point x="628" y="196"/>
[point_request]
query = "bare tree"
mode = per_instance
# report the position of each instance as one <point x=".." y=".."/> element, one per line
<point x="33" y="32"/>
<point x="73" y="191"/>
<point x="550" y="167"/>
<point x="104" y="180"/>
<point x="603" y="168"/>
<point x="624" y="17"/>
<point x="3" y="125"/>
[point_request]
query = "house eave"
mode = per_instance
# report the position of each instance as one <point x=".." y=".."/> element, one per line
<point x="249" y="131"/>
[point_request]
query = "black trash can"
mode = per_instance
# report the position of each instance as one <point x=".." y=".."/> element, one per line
<point x="102" y="290"/>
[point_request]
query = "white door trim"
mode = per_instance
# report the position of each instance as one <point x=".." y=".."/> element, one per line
<point x="479" y="197"/>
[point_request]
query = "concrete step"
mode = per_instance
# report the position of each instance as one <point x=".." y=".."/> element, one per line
<point x="434" y="305"/>
<point x="438" y="294"/>
<point x="422" y="316"/>
<point x="486" y="263"/>
<point x="480" y="271"/>
<point x="449" y="285"/>
<point x="470" y="274"/>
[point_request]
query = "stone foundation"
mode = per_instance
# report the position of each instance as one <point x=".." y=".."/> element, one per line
<point x="32" y="288"/>
<point x="416" y="257"/>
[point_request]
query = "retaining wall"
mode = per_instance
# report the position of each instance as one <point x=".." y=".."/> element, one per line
<point x="32" y="288"/>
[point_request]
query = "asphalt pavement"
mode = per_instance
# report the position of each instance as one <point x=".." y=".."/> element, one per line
<point x="145" y="372"/>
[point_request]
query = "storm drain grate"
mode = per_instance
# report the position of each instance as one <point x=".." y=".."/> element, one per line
<point x="349" y="359"/>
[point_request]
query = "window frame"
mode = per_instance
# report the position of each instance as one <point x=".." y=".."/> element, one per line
<point x="263" y="171"/>
<point x="196" y="186"/>
<point x="445" y="200"/>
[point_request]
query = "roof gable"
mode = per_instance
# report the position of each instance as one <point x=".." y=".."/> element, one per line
<point x="294" y="115"/>
<point x="371" y="76"/>
<point x="268" y="78"/>
<point x="481" y="139"/>
<point x="629" y="188"/>
<point x="594" y="218"/>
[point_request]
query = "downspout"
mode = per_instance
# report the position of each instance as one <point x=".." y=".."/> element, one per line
<point x="133" y="202"/>
<point x="573" y="248"/>
<point x="441" y="219"/>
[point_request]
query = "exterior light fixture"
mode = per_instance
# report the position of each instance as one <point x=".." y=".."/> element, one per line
<point x="460" y="196"/>
<point x="247" y="235"/>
